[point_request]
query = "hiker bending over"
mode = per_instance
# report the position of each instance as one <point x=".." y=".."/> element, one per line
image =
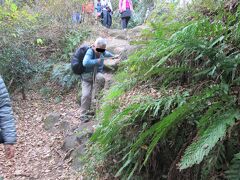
<point x="7" y="122"/>
<point x="92" y="76"/>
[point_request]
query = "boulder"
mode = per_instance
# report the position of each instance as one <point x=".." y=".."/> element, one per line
<point x="51" y="120"/>
<point x="75" y="144"/>
<point x="64" y="126"/>
<point x="114" y="45"/>
<point x="79" y="136"/>
<point x="117" y="33"/>
<point x="84" y="132"/>
<point x="70" y="142"/>
<point x="76" y="155"/>
<point x="111" y="64"/>
<point x="136" y="32"/>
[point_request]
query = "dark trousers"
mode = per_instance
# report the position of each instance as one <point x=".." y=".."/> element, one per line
<point x="107" y="19"/>
<point x="125" y="21"/>
<point x="1" y="137"/>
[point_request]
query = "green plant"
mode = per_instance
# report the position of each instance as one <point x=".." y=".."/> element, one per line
<point x="16" y="56"/>
<point x="63" y="75"/>
<point x="195" y="67"/>
<point x="16" y="68"/>
<point x="73" y="39"/>
<point x="233" y="172"/>
<point x="46" y="92"/>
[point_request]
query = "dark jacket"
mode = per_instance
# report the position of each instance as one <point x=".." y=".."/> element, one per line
<point x="7" y="122"/>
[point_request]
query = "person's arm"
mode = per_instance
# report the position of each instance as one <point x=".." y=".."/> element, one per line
<point x="108" y="54"/>
<point x="83" y="9"/>
<point x="110" y="5"/>
<point x="120" y="6"/>
<point x="88" y="60"/>
<point x="7" y="122"/>
<point x="131" y="5"/>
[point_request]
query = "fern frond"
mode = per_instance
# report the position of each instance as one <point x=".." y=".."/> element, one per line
<point x="195" y="153"/>
<point x="62" y="74"/>
<point x="161" y="128"/>
<point x="214" y="161"/>
<point x="234" y="170"/>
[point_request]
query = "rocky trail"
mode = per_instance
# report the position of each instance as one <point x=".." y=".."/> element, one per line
<point x="50" y="136"/>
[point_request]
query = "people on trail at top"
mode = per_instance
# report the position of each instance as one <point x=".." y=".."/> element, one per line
<point x="125" y="9"/>
<point x="92" y="78"/>
<point x="107" y="13"/>
<point x="7" y="122"/>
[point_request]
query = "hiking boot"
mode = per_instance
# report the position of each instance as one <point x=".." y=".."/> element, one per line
<point x="90" y="113"/>
<point x="84" y="119"/>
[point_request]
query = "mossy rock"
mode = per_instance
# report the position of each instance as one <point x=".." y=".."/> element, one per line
<point x="51" y="120"/>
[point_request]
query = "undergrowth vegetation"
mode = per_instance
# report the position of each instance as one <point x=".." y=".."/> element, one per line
<point x="30" y="40"/>
<point x="184" y="122"/>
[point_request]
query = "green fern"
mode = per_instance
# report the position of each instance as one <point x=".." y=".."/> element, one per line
<point x="160" y="129"/>
<point x="208" y="138"/>
<point x="214" y="161"/>
<point x="63" y="75"/>
<point x="234" y="170"/>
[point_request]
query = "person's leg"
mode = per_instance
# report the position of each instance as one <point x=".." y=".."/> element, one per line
<point x="107" y="24"/>
<point x="86" y="98"/>
<point x="101" y="18"/>
<point x="127" y="20"/>
<point x="98" y="87"/>
<point x="109" y="19"/>
<point x="104" y="18"/>
<point x="124" y="23"/>
<point x="99" y="84"/>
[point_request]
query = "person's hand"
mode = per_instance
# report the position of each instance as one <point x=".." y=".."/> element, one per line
<point x="116" y="56"/>
<point x="9" y="150"/>
<point x="99" y="61"/>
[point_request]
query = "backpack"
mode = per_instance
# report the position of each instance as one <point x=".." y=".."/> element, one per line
<point x="77" y="59"/>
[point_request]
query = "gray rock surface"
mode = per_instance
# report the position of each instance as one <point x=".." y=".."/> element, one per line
<point x="51" y="120"/>
<point x="75" y="144"/>
<point x="77" y="155"/>
<point x="70" y="142"/>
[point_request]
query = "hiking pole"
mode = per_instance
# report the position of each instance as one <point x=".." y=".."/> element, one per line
<point x="94" y="86"/>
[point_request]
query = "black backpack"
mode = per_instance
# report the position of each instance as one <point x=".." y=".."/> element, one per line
<point x="77" y="59"/>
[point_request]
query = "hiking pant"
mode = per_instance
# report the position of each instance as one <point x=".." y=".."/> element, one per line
<point x="125" y="21"/>
<point x="87" y="90"/>
<point x="107" y="19"/>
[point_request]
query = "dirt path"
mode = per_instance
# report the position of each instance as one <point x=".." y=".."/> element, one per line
<point x="39" y="153"/>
